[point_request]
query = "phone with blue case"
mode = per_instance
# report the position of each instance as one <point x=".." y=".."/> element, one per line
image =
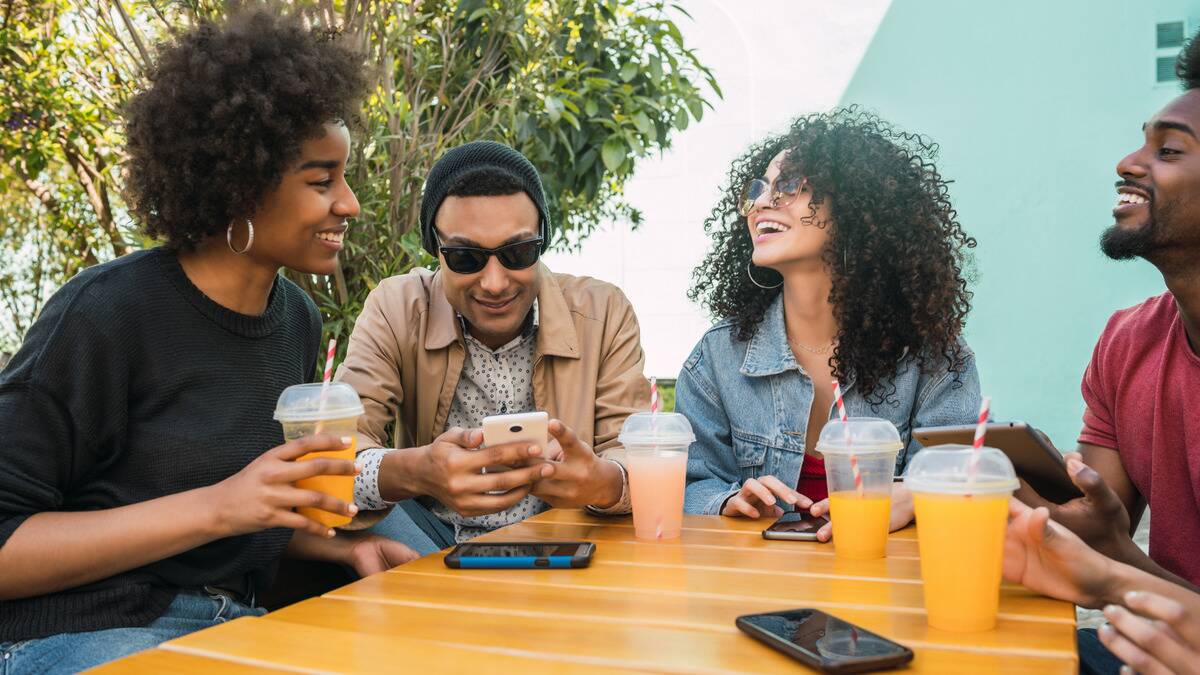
<point x="521" y="555"/>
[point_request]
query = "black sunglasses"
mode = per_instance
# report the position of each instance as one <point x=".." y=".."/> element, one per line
<point x="470" y="259"/>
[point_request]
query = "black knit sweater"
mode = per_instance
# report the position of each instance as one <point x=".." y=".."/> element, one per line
<point x="134" y="385"/>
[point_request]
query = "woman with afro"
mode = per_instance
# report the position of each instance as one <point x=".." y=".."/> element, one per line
<point x="145" y="490"/>
<point x="836" y="256"/>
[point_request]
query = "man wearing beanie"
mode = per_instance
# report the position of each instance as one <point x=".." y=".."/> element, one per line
<point x="491" y="332"/>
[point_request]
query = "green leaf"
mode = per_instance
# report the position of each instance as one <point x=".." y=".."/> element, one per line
<point x="554" y="108"/>
<point x="643" y="123"/>
<point x="681" y="119"/>
<point x="628" y="71"/>
<point x="591" y="107"/>
<point x="696" y="107"/>
<point x="613" y="152"/>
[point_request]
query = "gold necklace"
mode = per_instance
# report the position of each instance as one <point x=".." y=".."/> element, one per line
<point x="813" y="350"/>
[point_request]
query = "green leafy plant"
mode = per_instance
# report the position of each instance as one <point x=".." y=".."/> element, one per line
<point x="582" y="87"/>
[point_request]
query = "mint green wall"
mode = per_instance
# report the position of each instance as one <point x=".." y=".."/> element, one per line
<point x="1033" y="103"/>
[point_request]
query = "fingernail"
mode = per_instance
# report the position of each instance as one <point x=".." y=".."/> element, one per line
<point x="346" y="440"/>
<point x="1126" y="670"/>
<point x="547" y="470"/>
<point x="1110" y="610"/>
<point x="353" y="509"/>
<point x="535" y="450"/>
<point x="329" y="534"/>
<point x="1105" y="630"/>
<point x="1133" y="596"/>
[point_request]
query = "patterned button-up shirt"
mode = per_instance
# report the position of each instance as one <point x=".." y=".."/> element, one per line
<point x="493" y="382"/>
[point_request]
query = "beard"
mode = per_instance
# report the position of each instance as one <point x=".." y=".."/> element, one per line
<point x="1122" y="243"/>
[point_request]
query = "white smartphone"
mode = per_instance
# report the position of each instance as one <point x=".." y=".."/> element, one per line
<point x="530" y="427"/>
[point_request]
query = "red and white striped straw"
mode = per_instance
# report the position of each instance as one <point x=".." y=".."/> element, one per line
<point x="329" y="360"/>
<point x="981" y="424"/>
<point x="325" y="382"/>
<point x="837" y="395"/>
<point x="654" y="394"/>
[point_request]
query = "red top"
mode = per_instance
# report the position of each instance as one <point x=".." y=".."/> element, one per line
<point x="812" y="478"/>
<point x="1141" y="390"/>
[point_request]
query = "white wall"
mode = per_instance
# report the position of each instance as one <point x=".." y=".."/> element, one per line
<point x="774" y="60"/>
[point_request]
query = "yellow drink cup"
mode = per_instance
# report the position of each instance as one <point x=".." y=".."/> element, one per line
<point x="656" y="451"/>
<point x="962" y="513"/>
<point x="860" y="458"/>
<point x="310" y="409"/>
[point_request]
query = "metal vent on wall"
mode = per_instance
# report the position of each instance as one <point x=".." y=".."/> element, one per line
<point x="1170" y="35"/>
<point x="1165" y="69"/>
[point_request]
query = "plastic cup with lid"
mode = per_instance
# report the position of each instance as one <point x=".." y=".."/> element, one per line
<point x="656" y="452"/>
<point x="308" y="409"/>
<point x="860" y="458"/>
<point x="961" y="499"/>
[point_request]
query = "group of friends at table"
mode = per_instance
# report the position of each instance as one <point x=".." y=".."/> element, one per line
<point x="145" y="491"/>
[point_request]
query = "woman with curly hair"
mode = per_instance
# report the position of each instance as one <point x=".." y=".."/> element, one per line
<point x="837" y="255"/>
<point x="145" y="490"/>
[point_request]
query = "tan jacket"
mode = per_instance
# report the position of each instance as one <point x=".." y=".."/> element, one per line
<point x="406" y="354"/>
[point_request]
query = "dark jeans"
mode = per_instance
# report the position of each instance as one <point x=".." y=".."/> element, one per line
<point x="73" y="652"/>
<point x="1094" y="657"/>
<point x="412" y="524"/>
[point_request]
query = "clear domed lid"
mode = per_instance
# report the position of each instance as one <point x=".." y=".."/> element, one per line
<point x="654" y="429"/>
<point x="859" y="436"/>
<point x="947" y="469"/>
<point x="303" y="403"/>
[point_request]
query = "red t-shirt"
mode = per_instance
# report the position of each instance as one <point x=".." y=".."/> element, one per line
<point x="1142" y="390"/>
<point x="812" y="479"/>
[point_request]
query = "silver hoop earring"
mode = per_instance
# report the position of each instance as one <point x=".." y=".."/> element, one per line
<point x="755" y="281"/>
<point x="249" y="240"/>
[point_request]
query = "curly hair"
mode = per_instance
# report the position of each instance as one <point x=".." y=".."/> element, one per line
<point x="1187" y="65"/>
<point x="896" y="252"/>
<point x="226" y="110"/>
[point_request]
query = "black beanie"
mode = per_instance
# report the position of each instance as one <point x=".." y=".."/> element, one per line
<point x="470" y="157"/>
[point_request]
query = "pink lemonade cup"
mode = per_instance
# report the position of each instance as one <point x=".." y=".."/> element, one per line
<point x="656" y="450"/>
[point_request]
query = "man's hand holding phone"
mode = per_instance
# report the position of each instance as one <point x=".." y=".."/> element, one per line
<point x="451" y="470"/>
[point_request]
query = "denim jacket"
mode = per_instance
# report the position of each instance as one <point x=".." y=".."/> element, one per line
<point x="749" y="404"/>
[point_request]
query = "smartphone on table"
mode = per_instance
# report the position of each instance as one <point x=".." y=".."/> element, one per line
<point x="795" y="526"/>
<point x="824" y="642"/>
<point x="1032" y="455"/>
<point x="521" y="555"/>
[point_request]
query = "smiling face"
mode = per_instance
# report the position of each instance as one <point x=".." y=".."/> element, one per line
<point x="300" y="224"/>
<point x="1158" y="201"/>
<point x="494" y="300"/>
<point x="787" y="234"/>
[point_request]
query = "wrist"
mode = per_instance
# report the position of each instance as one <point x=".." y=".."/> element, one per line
<point x="209" y="504"/>
<point x="1117" y="579"/>
<point x="399" y="475"/>
<point x="610" y="485"/>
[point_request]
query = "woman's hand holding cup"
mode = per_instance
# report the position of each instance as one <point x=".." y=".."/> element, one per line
<point x="262" y="495"/>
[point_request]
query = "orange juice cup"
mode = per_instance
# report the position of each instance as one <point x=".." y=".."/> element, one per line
<point x="860" y="457"/>
<point x="962" y="513"/>
<point x="656" y="446"/>
<point x="309" y="409"/>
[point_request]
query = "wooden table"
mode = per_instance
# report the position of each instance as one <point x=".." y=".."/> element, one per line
<point x="641" y="606"/>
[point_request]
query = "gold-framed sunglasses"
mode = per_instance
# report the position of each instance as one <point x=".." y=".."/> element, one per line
<point x="781" y="193"/>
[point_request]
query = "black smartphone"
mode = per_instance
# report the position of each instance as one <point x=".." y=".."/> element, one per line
<point x="521" y="555"/>
<point x="795" y="526"/>
<point x="1037" y="461"/>
<point x="824" y="642"/>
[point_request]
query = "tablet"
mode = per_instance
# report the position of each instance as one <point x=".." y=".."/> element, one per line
<point x="1036" y="461"/>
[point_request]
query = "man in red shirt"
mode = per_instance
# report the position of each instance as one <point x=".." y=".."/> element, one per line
<point x="1140" y="443"/>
